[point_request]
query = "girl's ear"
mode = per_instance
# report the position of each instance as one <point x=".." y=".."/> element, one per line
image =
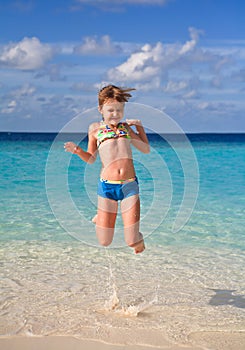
<point x="100" y="111"/>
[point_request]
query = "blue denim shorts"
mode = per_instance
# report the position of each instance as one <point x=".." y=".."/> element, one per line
<point x="118" y="191"/>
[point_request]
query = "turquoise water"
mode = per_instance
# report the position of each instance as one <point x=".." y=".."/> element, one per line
<point x="217" y="217"/>
<point x="191" y="277"/>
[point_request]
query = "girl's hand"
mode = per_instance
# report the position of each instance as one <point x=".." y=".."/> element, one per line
<point x="70" y="147"/>
<point x="133" y="122"/>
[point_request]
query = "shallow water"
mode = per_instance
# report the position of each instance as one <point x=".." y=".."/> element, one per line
<point x="186" y="280"/>
<point x="58" y="288"/>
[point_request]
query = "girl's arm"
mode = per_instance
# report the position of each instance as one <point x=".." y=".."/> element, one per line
<point x="139" y="139"/>
<point x="88" y="156"/>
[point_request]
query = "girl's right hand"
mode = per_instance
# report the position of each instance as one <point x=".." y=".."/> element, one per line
<point x="70" y="147"/>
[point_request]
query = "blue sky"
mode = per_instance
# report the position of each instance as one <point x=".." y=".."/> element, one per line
<point x="184" y="57"/>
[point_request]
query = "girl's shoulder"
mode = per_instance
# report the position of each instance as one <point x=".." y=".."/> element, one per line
<point x="93" y="131"/>
<point x="94" y="127"/>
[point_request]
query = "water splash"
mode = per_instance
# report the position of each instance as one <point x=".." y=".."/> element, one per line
<point x="135" y="307"/>
<point x="113" y="301"/>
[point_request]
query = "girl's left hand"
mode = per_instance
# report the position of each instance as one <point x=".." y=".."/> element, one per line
<point x="133" y="122"/>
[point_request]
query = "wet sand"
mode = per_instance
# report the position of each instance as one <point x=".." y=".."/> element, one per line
<point x="197" y="341"/>
<point x="54" y="296"/>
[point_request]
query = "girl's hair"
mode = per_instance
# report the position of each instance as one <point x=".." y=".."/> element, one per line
<point x="114" y="92"/>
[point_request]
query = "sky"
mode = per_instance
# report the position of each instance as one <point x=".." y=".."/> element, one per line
<point x="185" y="58"/>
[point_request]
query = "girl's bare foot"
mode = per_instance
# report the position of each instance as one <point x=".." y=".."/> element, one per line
<point x="139" y="247"/>
<point x="94" y="219"/>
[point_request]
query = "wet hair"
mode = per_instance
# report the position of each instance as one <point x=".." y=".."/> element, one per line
<point x="114" y="92"/>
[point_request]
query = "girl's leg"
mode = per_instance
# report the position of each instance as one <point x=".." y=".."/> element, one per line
<point x="105" y="220"/>
<point x="130" y="208"/>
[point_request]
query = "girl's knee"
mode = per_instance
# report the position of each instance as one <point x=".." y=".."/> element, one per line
<point x="105" y="242"/>
<point x="104" y="236"/>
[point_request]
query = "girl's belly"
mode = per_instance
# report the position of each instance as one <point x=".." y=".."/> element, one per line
<point x="116" y="157"/>
<point x="121" y="169"/>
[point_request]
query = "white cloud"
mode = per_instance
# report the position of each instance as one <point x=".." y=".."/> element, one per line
<point x="224" y="61"/>
<point x="186" y="77"/>
<point x="25" y="90"/>
<point x="148" y="86"/>
<point x="28" y="54"/>
<point x="173" y="86"/>
<point x="189" y="45"/>
<point x="191" y="94"/>
<point x="184" y="89"/>
<point x="219" y="107"/>
<point x="180" y="69"/>
<point x="53" y="71"/>
<point x="150" y="60"/>
<point x="18" y="99"/>
<point x="141" y="65"/>
<point x="97" y="46"/>
<point x="84" y="86"/>
<point x="10" y="107"/>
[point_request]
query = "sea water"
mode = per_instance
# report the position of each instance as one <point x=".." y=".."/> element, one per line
<point x="56" y="279"/>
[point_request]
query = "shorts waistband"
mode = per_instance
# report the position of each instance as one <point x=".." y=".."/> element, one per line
<point x="119" y="182"/>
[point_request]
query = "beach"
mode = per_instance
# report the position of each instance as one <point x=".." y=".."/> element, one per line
<point x="72" y="296"/>
<point x="198" y="341"/>
<point x="60" y="289"/>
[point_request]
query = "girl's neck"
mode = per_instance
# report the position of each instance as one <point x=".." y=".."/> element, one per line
<point x="112" y="126"/>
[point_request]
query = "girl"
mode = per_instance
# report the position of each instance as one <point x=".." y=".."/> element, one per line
<point x="112" y="138"/>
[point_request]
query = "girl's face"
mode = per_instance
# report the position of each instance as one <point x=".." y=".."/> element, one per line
<point x="112" y="111"/>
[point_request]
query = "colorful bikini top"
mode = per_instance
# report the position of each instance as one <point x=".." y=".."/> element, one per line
<point x="106" y="133"/>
